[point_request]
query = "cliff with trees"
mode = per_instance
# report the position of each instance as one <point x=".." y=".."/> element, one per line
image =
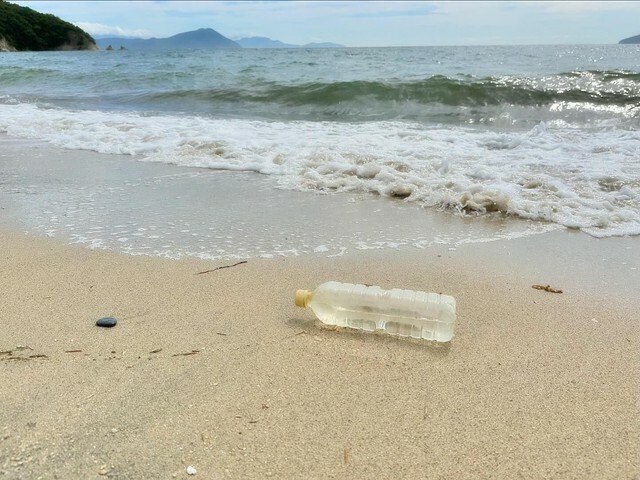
<point x="24" y="29"/>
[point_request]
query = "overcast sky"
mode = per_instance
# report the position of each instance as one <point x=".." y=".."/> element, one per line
<point x="361" y="23"/>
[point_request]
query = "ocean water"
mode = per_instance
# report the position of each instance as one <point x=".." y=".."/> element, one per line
<point x="542" y="136"/>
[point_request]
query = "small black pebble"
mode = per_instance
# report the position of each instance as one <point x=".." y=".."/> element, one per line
<point x="106" y="322"/>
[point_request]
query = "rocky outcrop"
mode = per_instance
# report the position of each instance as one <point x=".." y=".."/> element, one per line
<point x="6" y="46"/>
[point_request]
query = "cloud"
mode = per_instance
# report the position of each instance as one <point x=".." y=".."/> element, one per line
<point x="100" y="29"/>
<point x="588" y="7"/>
<point x="388" y="11"/>
<point x="360" y="23"/>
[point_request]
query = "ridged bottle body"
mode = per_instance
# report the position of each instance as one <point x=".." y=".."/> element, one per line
<point x="405" y="313"/>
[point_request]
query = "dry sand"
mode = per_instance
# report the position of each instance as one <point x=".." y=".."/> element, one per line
<point x="221" y="372"/>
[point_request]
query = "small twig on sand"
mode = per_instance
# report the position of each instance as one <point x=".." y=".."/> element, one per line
<point x="546" y="288"/>
<point x="192" y="352"/>
<point x="220" y="268"/>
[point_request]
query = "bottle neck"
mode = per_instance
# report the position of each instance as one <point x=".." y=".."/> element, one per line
<point x="303" y="297"/>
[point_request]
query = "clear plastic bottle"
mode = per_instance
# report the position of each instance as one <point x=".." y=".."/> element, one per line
<point x="405" y="313"/>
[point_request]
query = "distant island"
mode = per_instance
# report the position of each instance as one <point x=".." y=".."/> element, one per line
<point x="264" y="42"/>
<point x="635" y="39"/>
<point x="24" y="29"/>
<point x="201" y="38"/>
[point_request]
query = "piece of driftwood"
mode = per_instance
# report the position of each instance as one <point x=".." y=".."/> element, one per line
<point x="546" y="288"/>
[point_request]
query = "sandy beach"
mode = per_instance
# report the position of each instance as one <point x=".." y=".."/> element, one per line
<point x="221" y="372"/>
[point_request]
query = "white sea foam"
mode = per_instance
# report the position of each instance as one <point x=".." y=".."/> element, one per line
<point x="580" y="178"/>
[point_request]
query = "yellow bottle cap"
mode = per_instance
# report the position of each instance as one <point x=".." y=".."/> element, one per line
<point x="303" y="297"/>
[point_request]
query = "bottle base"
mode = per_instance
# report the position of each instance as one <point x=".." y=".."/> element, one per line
<point x="386" y="334"/>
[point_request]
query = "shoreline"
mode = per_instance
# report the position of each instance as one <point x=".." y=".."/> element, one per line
<point x="221" y="372"/>
<point x="124" y="204"/>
